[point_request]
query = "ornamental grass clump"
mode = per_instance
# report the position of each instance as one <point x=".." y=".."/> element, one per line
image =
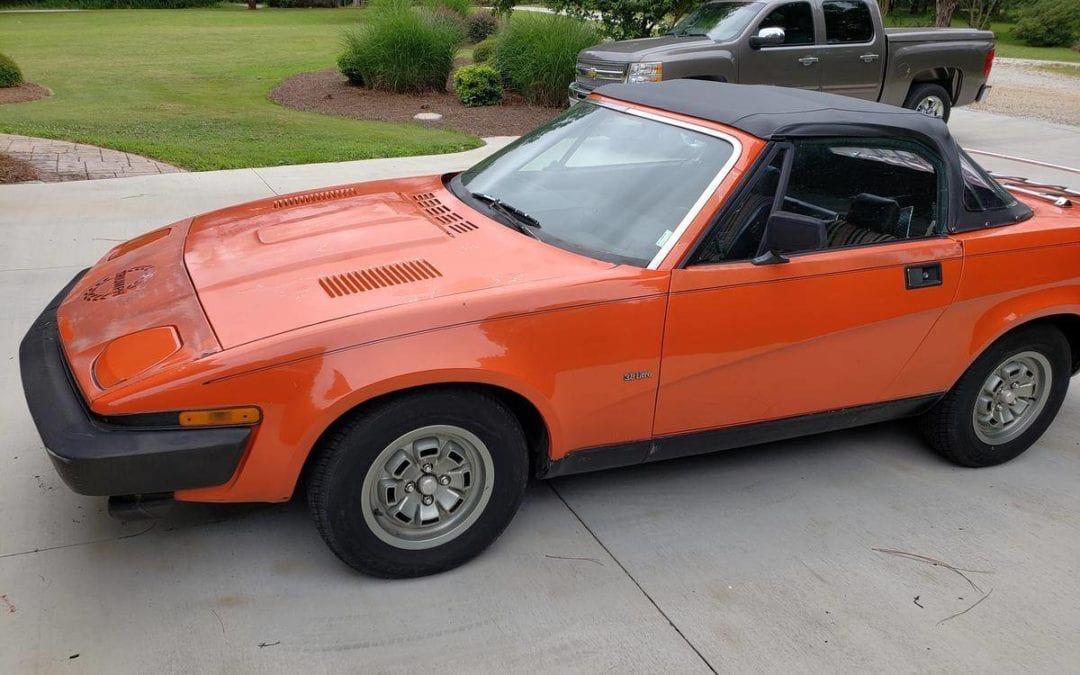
<point x="536" y="54"/>
<point x="401" y="48"/>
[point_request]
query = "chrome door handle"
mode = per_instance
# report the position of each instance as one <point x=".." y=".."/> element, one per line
<point x="809" y="60"/>
<point x="869" y="58"/>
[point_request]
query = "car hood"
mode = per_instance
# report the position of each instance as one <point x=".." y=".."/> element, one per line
<point x="274" y="266"/>
<point x="639" y="50"/>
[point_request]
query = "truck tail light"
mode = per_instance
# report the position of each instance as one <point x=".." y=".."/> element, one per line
<point x="988" y="66"/>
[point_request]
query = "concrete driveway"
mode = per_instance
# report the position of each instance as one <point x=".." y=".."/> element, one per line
<point x="762" y="559"/>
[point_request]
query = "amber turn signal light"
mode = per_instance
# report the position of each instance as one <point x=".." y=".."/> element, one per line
<point x="219" y="418"/>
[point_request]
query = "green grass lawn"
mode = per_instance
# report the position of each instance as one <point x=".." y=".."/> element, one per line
<point x="189" y="87"/>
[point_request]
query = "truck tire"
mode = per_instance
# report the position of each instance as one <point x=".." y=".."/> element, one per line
<point x="1005" y="401"/>
<point x="419" y="484"/>
<point x="930" y="99"/>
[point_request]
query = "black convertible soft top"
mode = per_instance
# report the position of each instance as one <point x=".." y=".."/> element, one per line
<point x="778" y="113"/>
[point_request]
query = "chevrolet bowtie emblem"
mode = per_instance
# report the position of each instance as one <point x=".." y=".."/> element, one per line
<point x="591" y="72"/>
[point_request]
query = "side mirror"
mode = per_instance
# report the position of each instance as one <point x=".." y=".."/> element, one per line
<point x="765" y="37"/>
<point x="787" y="232"/>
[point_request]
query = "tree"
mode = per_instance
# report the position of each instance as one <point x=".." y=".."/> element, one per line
<point x="980" y="11"/>
<point x="624" y="19"/>
<point x="943" y="15"/>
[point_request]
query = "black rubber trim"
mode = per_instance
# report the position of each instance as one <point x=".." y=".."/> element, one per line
<point x="97" y="458"/>
<point x="704" y="442"/>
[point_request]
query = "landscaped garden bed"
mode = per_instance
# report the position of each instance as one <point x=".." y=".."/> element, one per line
<point x="329" y="92"/>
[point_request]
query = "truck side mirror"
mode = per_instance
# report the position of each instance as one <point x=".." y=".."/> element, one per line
<point x="765" y="37"/>
<point x="787" y="232"/>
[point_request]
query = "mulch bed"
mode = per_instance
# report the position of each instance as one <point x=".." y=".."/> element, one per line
<point x="16" y="170"/>
<point x="329" y="92"/>
<point x="27" y="91"/>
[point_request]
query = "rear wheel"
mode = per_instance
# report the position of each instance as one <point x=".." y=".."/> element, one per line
<point x="419" y="484"/>
<point x="1005" y="400"/>
<point x="931" y="100"/>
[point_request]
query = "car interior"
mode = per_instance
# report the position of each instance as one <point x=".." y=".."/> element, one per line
<point x="863" y="194"/>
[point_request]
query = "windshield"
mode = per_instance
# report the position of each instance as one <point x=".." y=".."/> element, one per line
<point x="720" y="21"/>
<point x="608" y="184"/>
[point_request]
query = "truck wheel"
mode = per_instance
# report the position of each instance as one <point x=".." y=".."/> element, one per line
<point x="420" y="484"/>
<point x="930" y="99"/>
<point x="1005" y="401"/>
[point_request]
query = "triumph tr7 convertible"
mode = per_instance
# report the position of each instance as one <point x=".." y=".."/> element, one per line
<point x="662" y="270"/>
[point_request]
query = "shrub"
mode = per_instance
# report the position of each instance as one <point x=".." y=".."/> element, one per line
<point x="484" y="49"/>
<point x="10" y="75"/>
<point x="449" y="17"/>
<point x="478" y="85"/>
<point x="1049" y="23"/>
<point x="401" y="48"/>
<point x="110" y="4"/>
<point x="480" y="25"/>
<point x="536" y="54"/>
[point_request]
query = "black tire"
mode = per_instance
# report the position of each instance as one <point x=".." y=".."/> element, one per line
<point x="922" y="91"/>
<point x="949" y="427"/>
<point x="335" y="495"/>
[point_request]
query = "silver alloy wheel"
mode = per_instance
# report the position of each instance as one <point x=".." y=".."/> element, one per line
<point x="931" y="105"/>
<point x="1012" y="397"/>
<point x="427" y="487"/>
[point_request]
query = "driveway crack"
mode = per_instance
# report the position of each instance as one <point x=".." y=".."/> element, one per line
<point x="631" y="577"/>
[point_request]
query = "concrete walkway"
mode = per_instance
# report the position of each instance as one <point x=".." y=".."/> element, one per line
<point x="755" y="560"/>
<point x="60" y="161"/>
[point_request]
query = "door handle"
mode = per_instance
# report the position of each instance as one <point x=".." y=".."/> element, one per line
<point x="808" y="60"/>
<point x="869" y="58"/>
<point x="923" y="276"/>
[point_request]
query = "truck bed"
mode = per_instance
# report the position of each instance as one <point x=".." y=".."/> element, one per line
<point x="936" y="34"/>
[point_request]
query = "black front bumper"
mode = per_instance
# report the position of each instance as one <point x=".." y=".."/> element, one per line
<point x="96" y="458"/>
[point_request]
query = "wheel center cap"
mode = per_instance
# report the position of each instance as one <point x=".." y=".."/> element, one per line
<point x="427" y="485"/>
<point x="1008" y="397"/>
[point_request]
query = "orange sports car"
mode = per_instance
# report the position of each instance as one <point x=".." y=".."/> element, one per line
<point x="663" y="270"/>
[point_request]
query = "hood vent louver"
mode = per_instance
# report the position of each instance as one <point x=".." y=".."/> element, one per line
<point x="372" y="278"/>
<point x="442" y="214"/>
<point x="312" y="197"/>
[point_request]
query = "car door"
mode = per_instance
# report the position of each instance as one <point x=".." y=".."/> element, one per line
<point x="794" y="63"/>
<point x="853" y="59"/>
<point x="832" y="327"/>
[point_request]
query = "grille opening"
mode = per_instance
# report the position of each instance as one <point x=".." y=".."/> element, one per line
<point x="372" y="278"/>
<point x="311" y="197"/>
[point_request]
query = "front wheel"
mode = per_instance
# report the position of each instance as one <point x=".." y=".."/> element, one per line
<point x="420" y="484"/>
<point x="931" y="100"/>
<point x="1005" y="401"/>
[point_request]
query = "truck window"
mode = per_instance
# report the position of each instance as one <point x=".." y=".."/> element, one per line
<point x="797" y="20"/>
<point x="847" y="21"/>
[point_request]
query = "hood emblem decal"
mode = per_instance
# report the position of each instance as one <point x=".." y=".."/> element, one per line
<point x="371" y="278"/>
<point x="121" y="283"/>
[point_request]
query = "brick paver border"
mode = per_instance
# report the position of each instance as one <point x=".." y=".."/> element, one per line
<point x="58" y="161"/>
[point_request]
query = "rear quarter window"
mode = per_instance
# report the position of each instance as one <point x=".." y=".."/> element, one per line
<point x="981" y="192"/>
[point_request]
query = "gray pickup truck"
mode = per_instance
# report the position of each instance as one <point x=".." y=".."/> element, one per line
<point x="837" y="46"/>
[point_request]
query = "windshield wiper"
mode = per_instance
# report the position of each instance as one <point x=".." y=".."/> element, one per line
<point x="522" y="221"/>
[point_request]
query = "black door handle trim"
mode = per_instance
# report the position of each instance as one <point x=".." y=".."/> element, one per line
<point x="923" y="276"/>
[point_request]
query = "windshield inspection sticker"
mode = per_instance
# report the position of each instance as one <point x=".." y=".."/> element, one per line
<point x="664" y="237"/>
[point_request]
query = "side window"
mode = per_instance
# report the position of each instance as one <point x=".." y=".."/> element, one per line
<point x="866" y="192"/>
<point x="797" y="20"/>
<point x="981" y="192"/>
<point x="847" y="21"/>
<point x="737" y="235"/>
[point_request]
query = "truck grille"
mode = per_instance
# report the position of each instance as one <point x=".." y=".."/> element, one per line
<point x="591" y="75"/>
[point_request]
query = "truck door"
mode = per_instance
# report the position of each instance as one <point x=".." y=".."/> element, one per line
<point x="853" y="59"/>
<point x="796" y="62"/>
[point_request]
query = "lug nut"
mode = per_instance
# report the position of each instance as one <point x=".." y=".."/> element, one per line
<point x="409" y="487"/>
<point x="444" y="480"/>
<point x="428" y="500"/>
<point x="426" y="468"/>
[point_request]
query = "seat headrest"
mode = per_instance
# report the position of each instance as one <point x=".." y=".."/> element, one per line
<point x="878" y="214"/>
